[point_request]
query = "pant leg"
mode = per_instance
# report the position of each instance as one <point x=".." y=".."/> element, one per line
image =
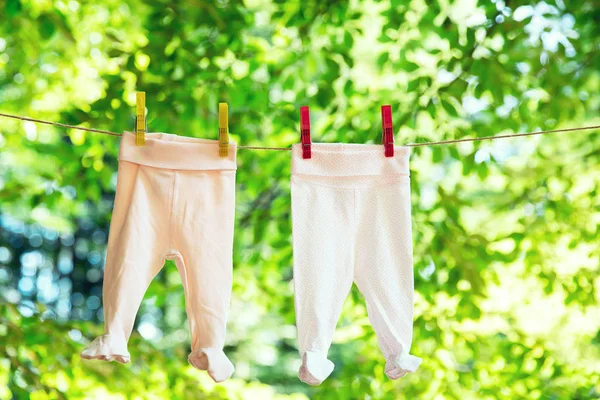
<point x="322" y="222"/>
<point x="136" y="249"/>
<point x="384" y="270"/>
<point x="204" y="222"/>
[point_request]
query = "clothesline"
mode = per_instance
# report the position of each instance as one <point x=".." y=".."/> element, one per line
<point x="442" y="142"/>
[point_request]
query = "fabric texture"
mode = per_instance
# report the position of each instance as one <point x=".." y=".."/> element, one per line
<point x="175" y="200"/>
<point x="351" y="222"/>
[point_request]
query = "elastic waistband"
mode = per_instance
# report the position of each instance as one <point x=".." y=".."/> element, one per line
<point x="349" y="159"/>
<point x="169" y="151"/>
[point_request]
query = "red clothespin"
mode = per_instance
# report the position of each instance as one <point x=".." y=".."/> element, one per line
<point x="388" y="130"/>
<point x="305" y="131"/>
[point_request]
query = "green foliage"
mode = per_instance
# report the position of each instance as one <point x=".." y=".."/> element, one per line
<point x="505" y="233"/>
<point x="42" y="361"/>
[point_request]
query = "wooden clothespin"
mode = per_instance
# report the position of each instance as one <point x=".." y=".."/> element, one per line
<point x="140" y="118"/>
<point x="305" y="131"/>
<point x="223" y="130"/>
<point x="388" y="130"/>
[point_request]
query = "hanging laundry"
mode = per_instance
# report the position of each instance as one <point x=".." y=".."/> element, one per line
<point x="351" y="222"/>
<point x="175" y="200"/>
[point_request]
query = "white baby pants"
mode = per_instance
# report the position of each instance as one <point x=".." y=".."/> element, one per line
<point x="352" y="223"/>
<point x="175" y="200"/>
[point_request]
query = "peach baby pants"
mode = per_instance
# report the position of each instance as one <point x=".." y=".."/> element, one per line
<point x="175" y="200"/>
<point x="351" y="222"/>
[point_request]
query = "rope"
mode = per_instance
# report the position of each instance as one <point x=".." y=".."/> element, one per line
<point x="442" y="142"/>
<point x="60" y="125"/>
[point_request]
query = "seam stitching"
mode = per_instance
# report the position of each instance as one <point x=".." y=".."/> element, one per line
<point x="172" y="212"/>
<point x="308" y="181"/>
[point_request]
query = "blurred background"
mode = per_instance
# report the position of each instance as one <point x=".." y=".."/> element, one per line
<point x="506" y="232"/>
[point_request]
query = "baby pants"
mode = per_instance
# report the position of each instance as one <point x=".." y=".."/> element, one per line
<point x="175" y="200"/>
<point x="351" y="222"/>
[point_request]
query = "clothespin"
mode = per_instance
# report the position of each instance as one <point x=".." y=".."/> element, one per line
<point x="140" y="118"/>
<point x="223" y="130"/>
<point x="388" y="130"/>
<point x="305" y="131"/>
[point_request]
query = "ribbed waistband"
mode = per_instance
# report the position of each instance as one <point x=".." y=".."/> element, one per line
<point x="350" y="159"/>
<point x="169" y="151"/>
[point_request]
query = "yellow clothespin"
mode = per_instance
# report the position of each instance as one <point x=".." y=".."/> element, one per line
<point x="223" y="130"/>
<point x="140" y="118"/>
